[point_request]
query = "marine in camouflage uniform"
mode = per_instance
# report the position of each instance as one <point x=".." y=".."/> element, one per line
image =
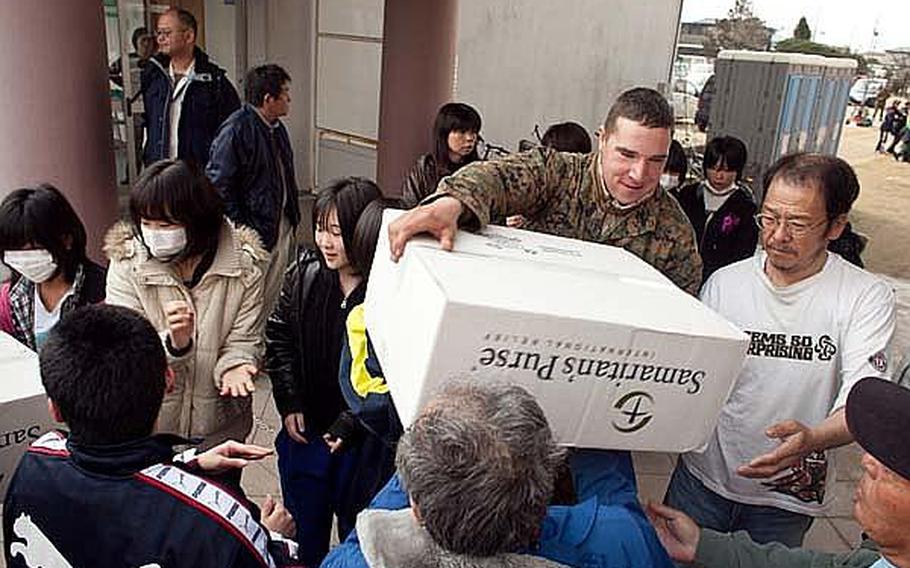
<point x="564" y="194"/>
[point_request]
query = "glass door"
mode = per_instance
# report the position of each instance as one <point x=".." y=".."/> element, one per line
<point x="129" y="32"/>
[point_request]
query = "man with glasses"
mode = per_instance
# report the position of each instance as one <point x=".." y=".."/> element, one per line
<point x="186" y="95"/>
<point x="817" y="324"/>
<point x="608" y="196"/>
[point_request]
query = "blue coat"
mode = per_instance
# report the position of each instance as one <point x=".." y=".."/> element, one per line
<point x="606" y="529"/>
<point x="210" y="98"/>
<point x="243" y="168"/>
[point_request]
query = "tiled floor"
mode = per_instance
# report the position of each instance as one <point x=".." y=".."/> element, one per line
<point x="836" y="533"/>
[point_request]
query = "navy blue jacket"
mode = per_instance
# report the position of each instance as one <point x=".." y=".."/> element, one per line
<point x="607" y="529"/>
<point x="245" y="171"/>
<point x="210" y="98"/>
<point x="127" y="505"/>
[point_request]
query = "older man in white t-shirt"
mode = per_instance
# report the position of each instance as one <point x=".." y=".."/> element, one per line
<point x="817" y="326"/>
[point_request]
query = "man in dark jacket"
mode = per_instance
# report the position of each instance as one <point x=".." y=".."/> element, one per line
<point x="111" y="493"/>
<point x="878" y="416"/>
<point x="886" y="128"/>
<point x="252" y="166"/>
<point x="186" y="95"/>
<point x="898" y="123"/>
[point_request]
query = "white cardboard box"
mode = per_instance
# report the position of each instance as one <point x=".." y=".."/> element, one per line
<point x="23" y="405"/>
<point x="616" y="354"/>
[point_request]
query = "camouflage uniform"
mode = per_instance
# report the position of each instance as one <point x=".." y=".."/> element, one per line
<point x="563" y="194"/>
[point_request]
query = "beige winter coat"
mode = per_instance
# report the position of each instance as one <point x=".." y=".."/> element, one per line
<point x="227" y="302"/>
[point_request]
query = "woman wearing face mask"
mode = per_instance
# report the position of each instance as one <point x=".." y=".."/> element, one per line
<point x="304" y="338"/>
<point x="675" y="170"/>
<point x="455" y="134"/>
<point x="199" y="281"/>
<point x="721" y="208"/>
<point x="43" y="241"/>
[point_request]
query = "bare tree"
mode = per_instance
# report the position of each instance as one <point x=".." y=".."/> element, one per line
<point x="741" y="29"/>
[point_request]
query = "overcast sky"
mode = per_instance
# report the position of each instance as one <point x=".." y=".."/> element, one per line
<point x="836" y="22"/>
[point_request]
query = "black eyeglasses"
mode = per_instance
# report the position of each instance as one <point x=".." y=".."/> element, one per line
<point x="795" y="229"/>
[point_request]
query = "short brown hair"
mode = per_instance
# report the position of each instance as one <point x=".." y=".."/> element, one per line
<point x="645" y="106"/>
<point x="833" y="176"/>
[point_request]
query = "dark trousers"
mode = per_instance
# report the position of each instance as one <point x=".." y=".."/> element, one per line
<point x="710" y="510"/>
<point x="315" y="484"/>
<point x="882" y="140"/>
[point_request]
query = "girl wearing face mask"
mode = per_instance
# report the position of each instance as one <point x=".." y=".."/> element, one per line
<point x="42" y="241"/>
<point x="304" y="341"/>
<point x="721" y="208"/>
<point x="198" y="280"/>
<point x="675" y="170"/>
<point x="455" y="134"/>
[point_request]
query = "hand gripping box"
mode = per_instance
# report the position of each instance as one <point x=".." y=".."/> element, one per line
<point x="616" y="354"/>
<point x="23" y="405"/>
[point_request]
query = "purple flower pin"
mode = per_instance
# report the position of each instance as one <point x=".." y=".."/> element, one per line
<point x="729" y="222"/>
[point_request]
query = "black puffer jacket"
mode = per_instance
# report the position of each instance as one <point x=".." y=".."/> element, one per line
<point x="725" y="236"/>
<point x="243" y="168"/>
<point x="304" y="336"/>
<point x="421" y="181"/>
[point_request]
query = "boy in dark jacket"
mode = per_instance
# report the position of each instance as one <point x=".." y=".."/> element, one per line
<point x="112" y="494"/>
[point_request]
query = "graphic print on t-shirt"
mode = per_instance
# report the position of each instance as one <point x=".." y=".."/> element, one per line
<point x="796" y="347"/>
<point x="806" y="480"/>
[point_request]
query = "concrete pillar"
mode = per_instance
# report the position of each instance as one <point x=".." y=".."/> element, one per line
<point x="55" y="120"/>
<point x="418" y="67"/>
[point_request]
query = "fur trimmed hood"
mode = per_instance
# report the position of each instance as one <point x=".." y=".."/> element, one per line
<point x="394" y="539"/>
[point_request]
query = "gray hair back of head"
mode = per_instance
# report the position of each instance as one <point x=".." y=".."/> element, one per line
<point x="479" y="463"/>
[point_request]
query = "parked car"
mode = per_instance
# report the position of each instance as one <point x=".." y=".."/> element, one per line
<point x="866" y="89"/>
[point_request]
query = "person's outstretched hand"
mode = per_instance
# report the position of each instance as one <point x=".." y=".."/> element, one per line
<point x="796" y="441"/>
<point x="230" y="455"/>
<point x="439" y="218"/>
<point x="676" y="530"/>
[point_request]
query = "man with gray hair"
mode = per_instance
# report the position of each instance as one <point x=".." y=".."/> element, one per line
<point x="476" y="472"/>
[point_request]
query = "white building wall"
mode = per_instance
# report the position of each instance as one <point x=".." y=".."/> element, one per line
<point x="527" y="62"/>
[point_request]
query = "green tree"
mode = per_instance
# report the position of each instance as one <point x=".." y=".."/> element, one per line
<point x="802" y="30"/>
<point x="795" y="45"/>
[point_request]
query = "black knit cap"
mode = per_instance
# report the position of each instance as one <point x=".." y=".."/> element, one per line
<point x="878" y="416"/>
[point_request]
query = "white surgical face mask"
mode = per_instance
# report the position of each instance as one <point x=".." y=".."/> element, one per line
<point x="36" y="265"/>
<point x="720" y="192"/>
<point x="668" y="181"/>
<point x="164" y="244"/>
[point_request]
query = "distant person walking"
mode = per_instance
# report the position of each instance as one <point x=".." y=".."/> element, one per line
<point x="887" y="127"/>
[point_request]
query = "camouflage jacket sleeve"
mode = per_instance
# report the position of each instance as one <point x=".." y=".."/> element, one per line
<point x="681" y="262"/>
<point x="684" y="265"/>
<point x="517" y="184"/>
